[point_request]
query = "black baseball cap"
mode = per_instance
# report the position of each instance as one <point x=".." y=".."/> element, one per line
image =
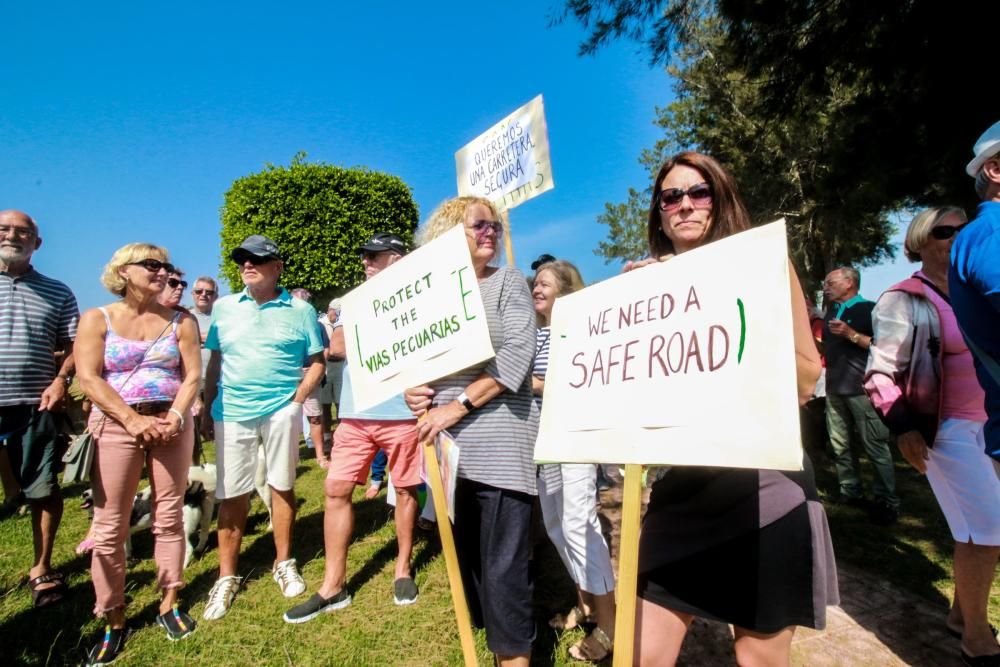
<point x="384" y="241"/>
<point x="257" y="245"/>
<point x="544" y="258"/>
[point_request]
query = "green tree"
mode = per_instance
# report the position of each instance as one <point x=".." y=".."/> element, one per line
<point x="919" y="72"/>
<point x="318" y="214"/>
<point x="780" y="163"/>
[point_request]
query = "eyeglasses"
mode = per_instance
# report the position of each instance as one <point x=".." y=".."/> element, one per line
<point x="945" y="232"/>
<point x="16" y="232"/>
<point x="831" y="282"/>
<point x="154" y="265"/>
<point x="201" y="290"/>
<point x="671" y="198"/>
<point x="173" y="283"/>
<point x="481" y="227"/>
<point x="253" y="259"/>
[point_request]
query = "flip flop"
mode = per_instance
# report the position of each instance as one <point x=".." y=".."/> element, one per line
<point x="48" y="596"/>
<point x="574" y="618"/>
<point x="595" y="647"/>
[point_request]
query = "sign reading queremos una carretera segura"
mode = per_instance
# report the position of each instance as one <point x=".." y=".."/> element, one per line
<point x="686" y="362"/>
<point x="417" y="320"/>
<point x="509" y="163"/>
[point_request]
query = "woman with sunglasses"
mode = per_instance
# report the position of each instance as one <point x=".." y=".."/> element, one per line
<point x="139" y="363"/>
<point x="922" y="381"/>
<point x="488" y="409"/>
<point x="746" y="547"/>
<point x="173" y="290"/>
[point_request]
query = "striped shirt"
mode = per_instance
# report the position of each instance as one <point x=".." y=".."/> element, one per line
<point x="497" y="440"/>
<point x="541" y="364"/>
<point x="38" y="316"/>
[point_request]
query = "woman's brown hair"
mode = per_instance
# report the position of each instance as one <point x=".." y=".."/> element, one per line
<point x="729" y="213"/>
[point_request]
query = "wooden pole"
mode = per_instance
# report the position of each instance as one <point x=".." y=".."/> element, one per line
<point x="508" y="242"/>
<point x="628" y="566"/>
<point x="450" y="555"/>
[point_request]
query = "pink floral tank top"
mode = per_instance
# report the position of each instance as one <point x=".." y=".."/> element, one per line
<point x="158" y="376"/>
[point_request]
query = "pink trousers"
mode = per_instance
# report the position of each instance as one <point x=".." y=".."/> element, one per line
<point x="118" y="462"/>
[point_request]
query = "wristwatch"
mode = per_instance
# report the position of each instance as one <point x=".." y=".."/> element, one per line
<point x="67" y="380"/>
<point x="855" y="338"/>
<point x="463" y="398"/>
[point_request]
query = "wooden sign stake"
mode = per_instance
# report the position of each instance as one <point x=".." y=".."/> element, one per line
<point x="508" y="242"/>
<point x="628" y="566"/>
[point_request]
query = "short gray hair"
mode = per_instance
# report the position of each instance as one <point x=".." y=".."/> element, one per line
<point x="209" y="280"/>
<point x="852" y="273"/>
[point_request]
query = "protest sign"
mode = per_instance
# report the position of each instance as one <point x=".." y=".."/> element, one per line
<point x="415" y="321"/>
<point x="448" y="451"/>
<point x="509" y="163"/>
<point x="686" y="362"/>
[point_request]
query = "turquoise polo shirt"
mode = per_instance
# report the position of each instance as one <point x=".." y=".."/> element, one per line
<point x="264" y="348"/>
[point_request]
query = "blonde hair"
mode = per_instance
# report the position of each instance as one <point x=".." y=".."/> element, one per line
<point x="567" y="277"/>
<point x="129" y="254"/>
<point x="921" y="226"/>
<point x="452" y="212"/>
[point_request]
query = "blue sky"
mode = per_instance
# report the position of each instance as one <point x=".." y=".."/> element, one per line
<point x="128" y="121"/>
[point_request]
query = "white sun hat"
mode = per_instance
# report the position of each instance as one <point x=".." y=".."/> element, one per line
<point x="986" y="147"/>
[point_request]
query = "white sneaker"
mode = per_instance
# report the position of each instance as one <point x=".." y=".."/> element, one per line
<point x="289" y="580"/>
<point x="220" y="598"/>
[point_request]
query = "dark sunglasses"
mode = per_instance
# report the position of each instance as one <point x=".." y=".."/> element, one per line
<point x="945" y="232"/>
<point x="482" y="226"/>
<point x="173" y="283"/>
<point x="154" y="265"/>
<point x="207" y="292"/>
<point x="253" y="259"/>
<point x="671" y="198"/>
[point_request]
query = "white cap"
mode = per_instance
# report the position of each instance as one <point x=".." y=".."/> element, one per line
<point x="334" y="305"/>
<point x="986" y="147"/>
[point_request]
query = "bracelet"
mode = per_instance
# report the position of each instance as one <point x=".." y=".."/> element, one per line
<point x="67" y="380"/>
<point x="855" y="338"/>
<point x="179" y="416"/>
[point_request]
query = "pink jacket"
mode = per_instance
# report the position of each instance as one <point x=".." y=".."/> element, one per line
<point x="904" y="376"/>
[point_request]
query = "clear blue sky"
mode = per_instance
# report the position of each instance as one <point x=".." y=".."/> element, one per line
<point x="128" y="121"/>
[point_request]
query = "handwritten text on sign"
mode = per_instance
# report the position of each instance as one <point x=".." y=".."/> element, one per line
<point x="686" y="362"/>
<point x="509" y="163"/>
<point x="418" y="320"/>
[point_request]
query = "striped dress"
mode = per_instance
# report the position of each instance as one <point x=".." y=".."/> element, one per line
<point x="38" y="315"/>
<point x="497" y="440"/>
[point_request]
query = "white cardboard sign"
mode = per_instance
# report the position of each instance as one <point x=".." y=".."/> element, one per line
<point x="419" y="319"/>
<point x="509" y="163"/>
<point x="686" y="362"/>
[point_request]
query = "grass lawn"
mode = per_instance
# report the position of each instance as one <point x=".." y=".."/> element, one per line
<point x="915" y="554"/>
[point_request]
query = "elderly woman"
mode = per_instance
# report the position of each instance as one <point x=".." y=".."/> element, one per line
<point x="489" y="410"/>
<point x="568" y="495"/>
<point x="742" y="546"/>
<point x="922" y="381"/>
<point x="139" y="362"/>
<point x="173" y="290"/>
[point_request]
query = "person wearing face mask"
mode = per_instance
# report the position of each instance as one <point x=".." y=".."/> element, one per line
<point x="567" y="494"/>
<point x="922" y="382"/>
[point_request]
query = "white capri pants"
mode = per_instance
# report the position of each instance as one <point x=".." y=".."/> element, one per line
<point x="570" y="514"/>
<point x="965" y="483"/>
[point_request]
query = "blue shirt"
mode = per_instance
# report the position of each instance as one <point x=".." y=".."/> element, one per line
<point x="974" y="289"/>
<point x="393" y="409"/>
<point x="264" y="349"/>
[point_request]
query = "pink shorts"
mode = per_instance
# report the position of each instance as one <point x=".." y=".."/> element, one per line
<point x="356" y="441"/>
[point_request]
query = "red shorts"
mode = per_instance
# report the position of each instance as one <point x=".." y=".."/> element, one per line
<point x="356" y="441"/>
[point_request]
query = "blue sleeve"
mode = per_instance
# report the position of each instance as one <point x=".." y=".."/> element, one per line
<point x="983" y="268"/>
<point x="212" y="337"/>
<point x="314" y="335"/>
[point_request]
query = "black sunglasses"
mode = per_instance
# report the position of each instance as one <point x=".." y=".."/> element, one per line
<point x="173" y="283"/>
<point x="256" y="260"/>
<point x="154" y="265"/>
<point x="945" y="232"/>
<point x="671" y="198"/>
<point x="201" y="290"/>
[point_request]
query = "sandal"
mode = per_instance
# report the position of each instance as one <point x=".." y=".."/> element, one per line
<point x="574" y="619"/>
<point x="43" y="597"/>
<point x="595" y="647"/>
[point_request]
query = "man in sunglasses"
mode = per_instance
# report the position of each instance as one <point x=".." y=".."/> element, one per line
<point x="260" y="339"/>
<point x="388" y="427"/>
<point x="38" y="317"/>
<point x="974" y="282"/>
<point x="205" y="292"/>
<point x="847" y="335"/>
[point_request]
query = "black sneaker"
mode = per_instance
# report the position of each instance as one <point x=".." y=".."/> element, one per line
<point x="177" y="623"/>
<point x="883" y="514"/>
<point x="109" y="648"/>
<point x="404" y="591"/>
<point x="316" y="605"/>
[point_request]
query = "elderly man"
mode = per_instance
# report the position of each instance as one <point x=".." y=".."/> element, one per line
<point x="974" y="282"/>
<point x="260" y="340"/>
<point x="389" y="427"/>
<point x="38" y="318"/>
<point x="847" y="335"/>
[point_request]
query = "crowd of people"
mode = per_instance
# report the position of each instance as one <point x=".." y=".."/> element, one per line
<point x="748" y="547"/>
